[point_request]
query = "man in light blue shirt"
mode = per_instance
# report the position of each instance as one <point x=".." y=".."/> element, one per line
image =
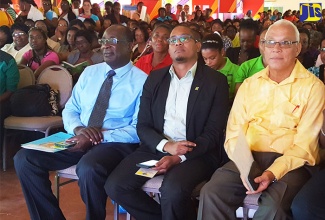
<point x="98" y="149"/>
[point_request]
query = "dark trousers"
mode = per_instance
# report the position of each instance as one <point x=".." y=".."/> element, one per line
<point x="124" y="187"/>
<point x="93" y="168"/>
<point x="309" y="202"/>
<point x="224" y="193"/>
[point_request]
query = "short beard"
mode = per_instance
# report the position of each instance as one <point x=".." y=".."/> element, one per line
<point x="180" y="59"/>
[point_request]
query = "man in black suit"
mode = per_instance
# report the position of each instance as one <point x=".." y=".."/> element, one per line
<point x="183" y="112"/>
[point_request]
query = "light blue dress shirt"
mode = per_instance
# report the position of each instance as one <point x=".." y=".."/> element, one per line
<point x="122" y="114"/>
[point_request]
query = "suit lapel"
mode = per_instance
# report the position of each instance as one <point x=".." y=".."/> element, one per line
<point x="195" y="91"/>
<point x="162" y="93"/>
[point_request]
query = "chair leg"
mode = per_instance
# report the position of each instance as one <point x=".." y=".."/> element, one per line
<point x="245" y="213"/>
<point x="128" y="216"/>
<point x="4" y="150"/>
<point x="116" y="211"/>
<point x="57" y="186"/>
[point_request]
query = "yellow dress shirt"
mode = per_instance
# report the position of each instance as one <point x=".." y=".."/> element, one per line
<point x="283" y="117"/>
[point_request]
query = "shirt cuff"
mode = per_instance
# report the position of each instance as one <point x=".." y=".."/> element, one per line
<point x="183" y="158"/>
<point x="160" y="146"/>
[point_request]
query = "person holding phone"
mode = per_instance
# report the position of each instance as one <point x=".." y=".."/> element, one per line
<point x="182" y="116"/>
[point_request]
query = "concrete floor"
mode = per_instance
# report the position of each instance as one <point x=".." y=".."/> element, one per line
<point x="13" y="206"/>
<point x="12" y="202"/>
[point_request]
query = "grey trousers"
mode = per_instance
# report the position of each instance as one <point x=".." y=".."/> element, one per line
<point x="224" y="193"/>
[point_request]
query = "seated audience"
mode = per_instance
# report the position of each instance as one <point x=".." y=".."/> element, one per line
<point x="162" y="15"/>
<point x="280" y="124"/>
<point x="160" y="57"/>
<point x="213" y="55"/>
<point x="320" y="70"/>
<point x="141" y="47"/>
<point x="132" y="24"/>
<point x="83" y="41"/>
<point x="29" y="22"/>
<point x="41" y="55"/>
<point x="305" y="57"/>
<point x="252" y="66"/>
<point x="169" y="13"/>
<point x="90" y="24"/>
<point x="247" y="36"/>
<point x="86" y="6"/>
<point x="309" y="202"/>
<point x="231" y="32"/>
<point x="60" y="31"/>
<point x="66" y="13"/>
<point x="106" y="24"/>
<point x="116" y="17"/>
<point x="217" y="28"/>
<point x="183" y="111"/>
<point x="104" y="135"/>
<point x="78" y="24"/>
<point x="68" y="44"/>
<point x="50" y="17"/>
<point x="198" y="16"/>
<point x="6" y="5"/>
<point x="51" y="43"/>
<point x="76" y="7"/>
<point x="5" y="36"/>
<point x="137" y="13"/>
<point x="20" y="43"/>
<point x="28" y="10"/>
<point x="9" y="79"/>
<point x="108" y="8"/>
<point x="96" y="11"/>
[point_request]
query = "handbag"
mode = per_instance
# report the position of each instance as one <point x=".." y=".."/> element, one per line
<point x="34" y="100"/>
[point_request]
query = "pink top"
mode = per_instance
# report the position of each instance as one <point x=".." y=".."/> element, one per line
<point x="50" y="55"/>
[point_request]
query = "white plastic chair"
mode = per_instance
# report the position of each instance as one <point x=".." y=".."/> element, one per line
<point x="58" y="78"/>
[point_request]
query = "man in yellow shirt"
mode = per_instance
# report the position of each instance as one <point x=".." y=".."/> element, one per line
<point x="279" y="110"/>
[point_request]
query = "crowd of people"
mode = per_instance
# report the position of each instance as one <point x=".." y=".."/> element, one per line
<point x="164" y="89"/>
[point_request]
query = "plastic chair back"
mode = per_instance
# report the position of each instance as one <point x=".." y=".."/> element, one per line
<point x="60" y="79"/>
<point x="27" y="76"/>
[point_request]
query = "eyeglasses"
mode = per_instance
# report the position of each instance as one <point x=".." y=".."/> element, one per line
<point x="282" y="44"/>
<point x="19" y="34"/>
<point x="36" y="37"/>
<point x="181" y="38"/>
<point x="62" y="25"/>
<point x="162" y="37"/>
<point x="110" y="41"/>
<point x="322" y="49"/>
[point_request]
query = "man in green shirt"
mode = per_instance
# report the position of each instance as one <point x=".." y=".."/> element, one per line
<point x="9" y="78"/>
<point x="252" y="66"/>
<point x="213" y="54"/>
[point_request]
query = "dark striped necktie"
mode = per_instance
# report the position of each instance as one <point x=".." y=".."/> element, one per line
<point x="97" y="116"/>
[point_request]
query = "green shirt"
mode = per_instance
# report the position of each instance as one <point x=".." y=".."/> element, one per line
<point x="230" y="70"/>
<point x="249" y="68"/>
<point x="9" y="73"/>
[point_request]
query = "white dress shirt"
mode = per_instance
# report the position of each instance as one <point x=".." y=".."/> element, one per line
<point x="176" y="108"/>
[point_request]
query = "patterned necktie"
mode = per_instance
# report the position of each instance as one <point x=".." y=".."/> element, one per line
<point x="97" y="116"/>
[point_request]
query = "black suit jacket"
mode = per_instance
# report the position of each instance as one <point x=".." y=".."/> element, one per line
<point x="207" y="112"/>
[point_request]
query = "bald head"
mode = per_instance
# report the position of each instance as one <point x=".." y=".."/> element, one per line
<point x="283" y="23"/>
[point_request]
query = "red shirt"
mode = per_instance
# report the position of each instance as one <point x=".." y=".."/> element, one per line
<point x="144" y="63"/>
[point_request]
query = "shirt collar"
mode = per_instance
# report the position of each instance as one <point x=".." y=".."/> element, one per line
<point x="191" y="72"/>
<point x="227" y="67"/>
<point x="299" y="71"/>
<point x="120" y="71"/>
